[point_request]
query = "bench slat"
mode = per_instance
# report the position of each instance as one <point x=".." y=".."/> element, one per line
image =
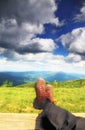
<point x="14" y="121"/>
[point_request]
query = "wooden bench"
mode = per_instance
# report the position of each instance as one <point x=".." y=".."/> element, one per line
<point x="14" y="121"/>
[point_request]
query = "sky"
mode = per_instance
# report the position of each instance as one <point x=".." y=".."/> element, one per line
<point x="42" y="35"/>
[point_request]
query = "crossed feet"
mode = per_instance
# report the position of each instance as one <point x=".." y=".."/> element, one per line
<point x="43" y="92"/>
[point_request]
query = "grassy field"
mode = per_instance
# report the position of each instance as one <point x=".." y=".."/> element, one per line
<point x="20" y="99"/>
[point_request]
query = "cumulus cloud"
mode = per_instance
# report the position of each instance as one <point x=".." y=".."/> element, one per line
<point x="21" y="21"/>
<point x="73" y="58"/>
<point x="33" y="11"/>
<point x="36" y="45"/>
<point x="81" y="16"/>
<point x="74" y="41"/>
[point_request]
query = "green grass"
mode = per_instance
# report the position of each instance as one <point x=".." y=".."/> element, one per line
<point x="17" y="99"/>
<point x="72" y="99"/>
<point x="20" y="99"/>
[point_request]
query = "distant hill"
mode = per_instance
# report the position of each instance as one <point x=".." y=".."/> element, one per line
<point x="24" y="77"/>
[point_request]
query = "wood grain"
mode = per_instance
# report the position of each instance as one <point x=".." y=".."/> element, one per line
<point x="15" y="121"/>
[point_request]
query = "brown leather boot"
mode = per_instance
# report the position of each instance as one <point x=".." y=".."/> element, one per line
<point x="49" y="93"/>
<point x="40" y="93"/>
<point x="43" y="92"/>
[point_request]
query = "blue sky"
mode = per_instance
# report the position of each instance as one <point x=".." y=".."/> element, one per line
<point x="42" y="35"/>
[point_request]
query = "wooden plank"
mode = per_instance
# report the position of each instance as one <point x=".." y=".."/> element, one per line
<point x="14" y="121"/>
<point x="79" y="114"/>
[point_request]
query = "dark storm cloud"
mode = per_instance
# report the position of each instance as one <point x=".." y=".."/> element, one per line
<point x="36" y="46"/>
<point x="20" y="21"/>
<point x="15" y="9"/>
<point x="27" y="10"/>
<point x="9" y="54"/>
<point x="32" y="48"/>
<point x="23" y="49"/>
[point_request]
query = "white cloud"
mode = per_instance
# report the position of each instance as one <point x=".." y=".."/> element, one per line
<point x="74" y="41"/>
<point x="81" y="16"/>
<point x="44" y="62"/>
<point x="73" y="58"/>
<point x="47" y="45"/>
<point x="32" y="28"/>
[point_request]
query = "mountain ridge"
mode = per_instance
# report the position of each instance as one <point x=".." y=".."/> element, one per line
<point x="30" y="76"/>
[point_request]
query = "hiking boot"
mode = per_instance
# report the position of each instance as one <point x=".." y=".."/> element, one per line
<point x="43" y="92"/>
<point x="40" y="93"/>
<point x="49" y="93"/>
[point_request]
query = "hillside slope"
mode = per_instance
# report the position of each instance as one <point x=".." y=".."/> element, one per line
<point x="31" y="76"/>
